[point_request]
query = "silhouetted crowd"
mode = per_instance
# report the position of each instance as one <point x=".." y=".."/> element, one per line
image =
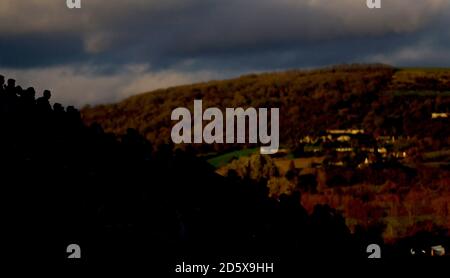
<point x="15" y="100"/>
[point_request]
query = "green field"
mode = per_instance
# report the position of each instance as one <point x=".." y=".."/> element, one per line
<point x="224" y="159"/>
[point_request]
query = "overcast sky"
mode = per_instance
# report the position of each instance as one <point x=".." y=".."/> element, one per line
<point x="110" y="49"/>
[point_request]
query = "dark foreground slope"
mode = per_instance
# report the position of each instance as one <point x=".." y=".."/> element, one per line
<point x="122" y="200"/>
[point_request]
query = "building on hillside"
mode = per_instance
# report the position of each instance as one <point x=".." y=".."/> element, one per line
<point x="345" y="147"/>
<point x="440" y="115"/>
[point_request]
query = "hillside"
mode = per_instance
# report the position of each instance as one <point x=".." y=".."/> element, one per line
<point x="123" y="202"/>
<point x="377" y="98"/>
<point x="374" y="179"/>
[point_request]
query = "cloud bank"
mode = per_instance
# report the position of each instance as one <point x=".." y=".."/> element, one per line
<point x="107" y="49"/>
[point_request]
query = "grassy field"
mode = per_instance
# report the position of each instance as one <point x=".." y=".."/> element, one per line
<point x="282" y="163"/>
<point x="224" y="159"/>
<point x="435" y="81"/>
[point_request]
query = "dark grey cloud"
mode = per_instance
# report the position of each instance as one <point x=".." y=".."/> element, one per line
<point x="40" y="50"/>
<point x="190" y="40"/>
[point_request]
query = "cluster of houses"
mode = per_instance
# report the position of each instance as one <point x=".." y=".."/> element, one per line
<point x="355" y="143"/>
<point x="354" y="146"/>
<point x="440" y="115"/>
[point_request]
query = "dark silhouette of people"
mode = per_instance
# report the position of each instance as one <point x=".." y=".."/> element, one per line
<point x="11" y="85"/>
<point x="2" y="83"/>
<point x="3" y="104"/>
<point x="27" y="99"/>
<point x="10" y="97"/>
<point x="2" y="87"/>
<point x="43" y="103"/>
<point x="58" y="108"/>
<point x="30" y="95"/>
<point x="10" y="89"/>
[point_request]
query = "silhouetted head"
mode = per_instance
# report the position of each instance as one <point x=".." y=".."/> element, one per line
<point x="47" y="94"/>
<point x="57" y="107"/>
<point x="11" y="83"/>
<point x="19" y="90"/>
<point x="31" y="92"/>
<point x="2" y="80"/>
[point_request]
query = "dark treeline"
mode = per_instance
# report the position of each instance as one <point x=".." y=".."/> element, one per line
<point x="120" y="197"/>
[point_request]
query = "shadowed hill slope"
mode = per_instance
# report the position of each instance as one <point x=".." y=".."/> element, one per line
<point x="377" y="98"/>
<point x="122" y="200"/>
